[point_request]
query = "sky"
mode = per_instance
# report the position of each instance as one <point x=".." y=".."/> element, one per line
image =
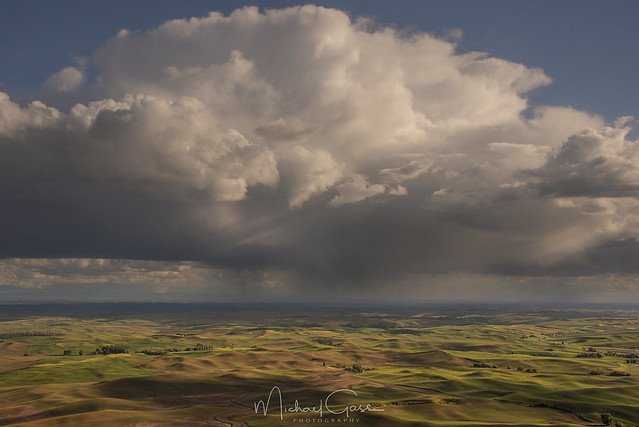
<point x="337" y="152"/>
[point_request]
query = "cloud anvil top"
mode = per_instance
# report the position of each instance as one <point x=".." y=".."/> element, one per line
<point x="298" y="150"/>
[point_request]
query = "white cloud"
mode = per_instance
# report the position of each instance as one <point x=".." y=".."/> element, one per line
<point x="67" y="79"/>
<point x="312" y="172"/>
<point x="309" y="75"/>
<point x="355" y="189"/>
<point x="158" y="146"/>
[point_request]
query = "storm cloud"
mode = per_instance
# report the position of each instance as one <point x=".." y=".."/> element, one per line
<point x="331" y="150"/>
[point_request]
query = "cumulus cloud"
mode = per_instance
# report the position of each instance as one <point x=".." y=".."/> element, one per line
<point x="67" y="79"/>
<point x="591" y="164"/>
<point x="302" y="141"/>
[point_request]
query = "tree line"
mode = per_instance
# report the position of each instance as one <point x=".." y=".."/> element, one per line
<point x="18" y="334"/>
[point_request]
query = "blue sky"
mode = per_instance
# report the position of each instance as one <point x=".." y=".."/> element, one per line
<point x="291" y="152"/>
<point x="588" y="47"/>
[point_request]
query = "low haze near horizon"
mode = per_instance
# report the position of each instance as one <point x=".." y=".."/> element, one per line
<point x="307" y="153"/>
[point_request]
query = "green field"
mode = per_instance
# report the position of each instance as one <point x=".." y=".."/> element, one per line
<point x="437" y="366"/>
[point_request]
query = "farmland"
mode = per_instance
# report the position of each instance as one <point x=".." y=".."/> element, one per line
<point x="153" y="364"/>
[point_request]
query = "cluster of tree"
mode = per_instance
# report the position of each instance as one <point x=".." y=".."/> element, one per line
<point x="109" y="349"/>
<point x="624" y="355"/>
<point x="9" y="335"/>
<point x="156" y="351"/>
<point x="199" y="346"/>
<point x="529" y="370"/>
<point x="325" y="341"/>
<point x="484" y="365"/>
<point x="619" y="374"/>
<point x="591" y="355"/>
<point x="540" y="405"/>
<point x="161" y="351"/>
<point x="631" y="361"/>
<point x="355" y="367"/>
<point x="609" y="420"/>
<point x="597" y="372"/>
<point x="536" y="353"/>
